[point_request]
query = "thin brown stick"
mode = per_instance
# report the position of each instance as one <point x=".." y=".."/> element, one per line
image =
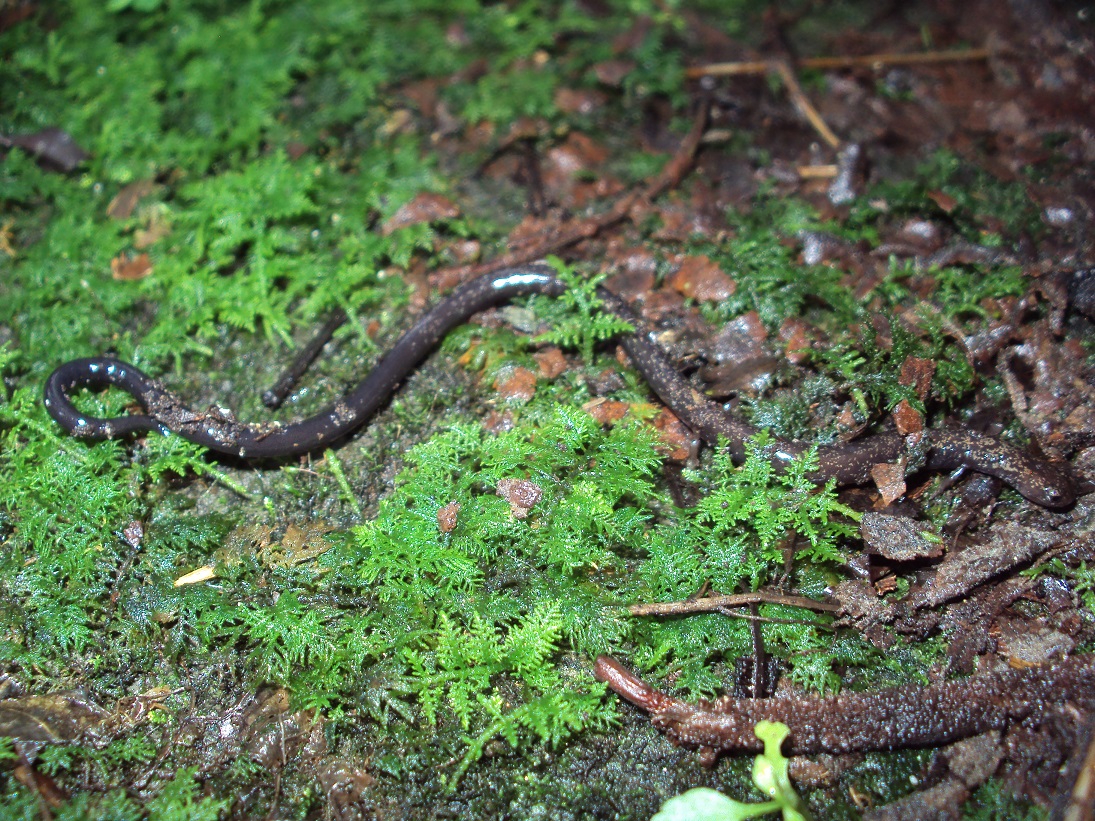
<point x="818" y="172"/>
<point x="710" y="604"/>
<point x="866" y="60"/>
<point x="803" y="104"/>
<point x="558" y="238"/>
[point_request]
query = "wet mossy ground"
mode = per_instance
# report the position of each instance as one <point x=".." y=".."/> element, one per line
<point x="349" y="657"/>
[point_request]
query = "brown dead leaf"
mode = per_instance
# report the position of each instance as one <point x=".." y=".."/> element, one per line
<point x="125" y="201"/>
<point x="698" y="277"/>
<point x="447" y="517"/>
<point x="6" y="237"/>
<point x="157" y="227"/>
<point x="298" y="545"/>
<point x="793" y="332"/>
<point x="675" y="435"/>
<point x="943" y="200"/>
<point x="246" y="540"/>
<point x="1005" y="546"/>
<point x="426" y="207"/>
<point x="660" y="303"/>
<point x="907" y="418"/>
<point x="52" y="147"/>
<point x="51" y="719"/>
<point x="899" y="538"/>
<point x="1030" y="644"/>
<point x="495" y="422"/>
<point x="740" y="340"/>
<point x="577" y="154"/>
<point x="846" y="418"/>
<point x="465" y="251"/>
<point x="573" y="157"/>
<point x="521" y="494"/>
<point x="917" y="372"/>
<point x="268" y="702"/>
<point x="606" y="411"/>
<point x="890" y="480"/>
<point x="551" y="362"/>
<point x="579" y="100"/>
<point x="424" y="94"/>
<point x="345" y="784"/>
<point x="612" y="72"/>
<point x="634" y="269"/>
<point x="518" y="384"/>
<point x="270" y="734"/>
<point x="123" y="267"/>
<point x="529" y="231"/>
<point x="399" y="121"/>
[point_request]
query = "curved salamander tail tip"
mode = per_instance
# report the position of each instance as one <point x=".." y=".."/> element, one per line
<point x="629" y="686"/>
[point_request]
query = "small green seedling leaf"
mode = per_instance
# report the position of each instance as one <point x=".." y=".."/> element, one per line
<point x="702" y="804"/>
<point x="769" y="775"/>
<point x="770" y="770"/>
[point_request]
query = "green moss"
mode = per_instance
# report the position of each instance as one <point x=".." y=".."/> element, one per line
<point x="992" y="801"/>
<point x="276" y="146"/>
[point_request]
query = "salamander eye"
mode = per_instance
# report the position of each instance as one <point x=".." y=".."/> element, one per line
<point x="1057" y="495"/>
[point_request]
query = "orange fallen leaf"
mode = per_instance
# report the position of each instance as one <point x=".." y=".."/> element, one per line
<point x="126" y="268"/>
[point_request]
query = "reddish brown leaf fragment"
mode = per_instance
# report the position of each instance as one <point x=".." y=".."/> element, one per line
<point x="130" y="269"/>
<point x="551" y="362"/>
<point x="944" y="201"/>
<point x="890" y="480"/>
<point x="606" y="411"/>
<point x="678" y="439"/>
<point x="127" y="199"/>
<point x="907" y="418"/>
<point x="521" y="494"/>
<point x="426" y="207"/>
<point x="447" y="517"/>
<point x="917" y="372"/>
<point x="518" y="384"/>
<point x="698" y="277"/>
<point x="48" y="789"/>
<point x="793" y="332"/>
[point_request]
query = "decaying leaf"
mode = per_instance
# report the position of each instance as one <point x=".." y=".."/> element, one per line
<point x="899" y="538"/>
<point x="52" y="147"/>
<point x="129" y="268"/>
<point x="521" y="494"/>
<point x="52" y="719"/>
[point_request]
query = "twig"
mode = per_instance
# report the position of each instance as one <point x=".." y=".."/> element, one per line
<point x="803" y="104"/>
<point x="798" y="97"/>
<point x="715" y="603"/>
<point x="868" y="60"/>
